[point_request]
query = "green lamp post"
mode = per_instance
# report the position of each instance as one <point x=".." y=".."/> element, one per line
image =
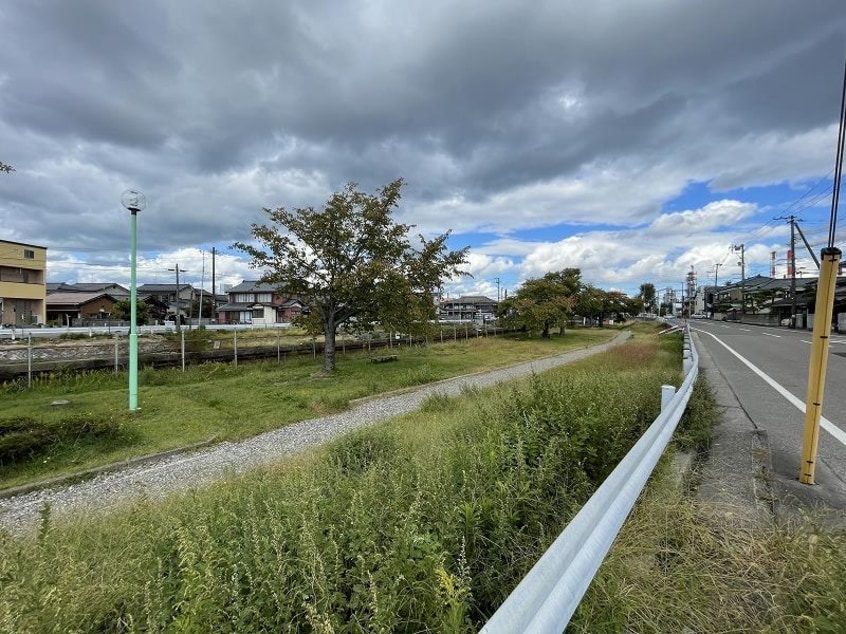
<point x="134" y="201"/>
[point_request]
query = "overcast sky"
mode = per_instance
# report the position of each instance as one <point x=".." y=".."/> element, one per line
<point x="630" y="138"/>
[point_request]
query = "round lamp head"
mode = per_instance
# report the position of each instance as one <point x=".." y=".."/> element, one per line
<point x="133" y="200"/>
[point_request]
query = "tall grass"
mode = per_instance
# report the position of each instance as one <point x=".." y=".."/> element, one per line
<point x="424" y="524"/>
<point x="681" y="565"/>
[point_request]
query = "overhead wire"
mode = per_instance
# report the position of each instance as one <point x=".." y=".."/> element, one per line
<point x="838" y="164"/>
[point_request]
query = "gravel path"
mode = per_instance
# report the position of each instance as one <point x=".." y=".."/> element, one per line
<point x="184" y="471"/>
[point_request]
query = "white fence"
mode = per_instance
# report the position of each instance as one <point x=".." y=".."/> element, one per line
<point x="546" y="598"/>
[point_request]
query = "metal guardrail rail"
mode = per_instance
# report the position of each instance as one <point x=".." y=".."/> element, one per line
<point x="544" y="601"/>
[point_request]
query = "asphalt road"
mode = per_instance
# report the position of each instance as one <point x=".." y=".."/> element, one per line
<point x="781" y="357"/>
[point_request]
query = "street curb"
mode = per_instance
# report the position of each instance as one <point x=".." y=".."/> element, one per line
<point x="87" y="474"/>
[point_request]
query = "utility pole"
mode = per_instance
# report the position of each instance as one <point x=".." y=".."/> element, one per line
<point x="717" y="266"/>
<point x="214" y="290"/>
<point x="202" y="283"/>
<point x="792" y="271"/>
<point x="176" y="316"/>
<point x="497" y="280"/>
<point x="742" y="250"/>
<point x="830" y="257"/>
<point x="792" y="264"/>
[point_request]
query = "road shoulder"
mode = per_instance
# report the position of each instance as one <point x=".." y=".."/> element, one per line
<point x="744" y="479"/>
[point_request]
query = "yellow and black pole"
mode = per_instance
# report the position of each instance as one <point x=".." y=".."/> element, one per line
<point x="829" y="265"/>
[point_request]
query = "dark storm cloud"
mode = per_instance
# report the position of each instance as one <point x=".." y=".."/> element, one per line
<point x="215" y="109"/>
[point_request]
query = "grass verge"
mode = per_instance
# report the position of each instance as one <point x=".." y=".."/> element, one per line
<point x="225" y="401"/>
<point x="683" y="565"/>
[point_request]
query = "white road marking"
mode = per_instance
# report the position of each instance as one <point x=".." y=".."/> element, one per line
<point x="826" y="424"/>
<point x="768" y="334"/>
<point x="745" y="330"/>
<point x="805" y="341"/>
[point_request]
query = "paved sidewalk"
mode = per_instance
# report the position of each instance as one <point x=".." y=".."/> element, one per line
<point x="739" y="478"/>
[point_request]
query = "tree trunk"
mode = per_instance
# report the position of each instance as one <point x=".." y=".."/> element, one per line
<point x="545" y="333"/>
<point x="329" y="328"/>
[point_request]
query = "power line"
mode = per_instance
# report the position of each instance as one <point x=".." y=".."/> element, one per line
<point x="838" y="164"/>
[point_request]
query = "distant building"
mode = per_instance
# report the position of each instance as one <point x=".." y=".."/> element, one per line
<point x="65" y="308"/>
<point x="23" y="284"/>
<point x="468" y="307"/>
<point x="253" y="303"/>
<point x="177" y="299"/>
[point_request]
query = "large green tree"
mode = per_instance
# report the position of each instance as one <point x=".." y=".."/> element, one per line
<point x="647" y="294"/>
<point x="598" y="305"/>
<point x="542" y="303"/>
<point x="351" y="262"/>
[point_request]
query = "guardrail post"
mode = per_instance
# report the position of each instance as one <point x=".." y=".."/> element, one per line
<point x="182" y="349"/>
<point x="235" y="344"/>
<point x="667" y="394"/>
<point x="687" y="359"/>
<point x="116" y="355"/>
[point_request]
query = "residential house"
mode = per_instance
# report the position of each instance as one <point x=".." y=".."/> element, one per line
<point x="468" y="307"/>
<point x="23" y="284"/>
<point x="251" y="302"/>
<point x="64" y="308"/>
<point x="177" y="299"/>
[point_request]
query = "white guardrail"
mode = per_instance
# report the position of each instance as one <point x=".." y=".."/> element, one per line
<point x="546" y="598"/>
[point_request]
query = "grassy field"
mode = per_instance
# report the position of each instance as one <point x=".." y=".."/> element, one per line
<point x="424" y="523"/>
<point x="221" y="401"/>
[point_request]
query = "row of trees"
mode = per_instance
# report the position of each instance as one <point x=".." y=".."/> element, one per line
<point x="550" y="302"/>
<point x="353" y="266"/>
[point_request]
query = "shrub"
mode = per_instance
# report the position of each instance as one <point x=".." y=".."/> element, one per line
<point x="25" y="437"/>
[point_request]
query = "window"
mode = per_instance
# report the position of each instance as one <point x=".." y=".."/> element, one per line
<point x="258" y="314"/>
<point x="29" y="254"/>
<point x="263" y="298"/>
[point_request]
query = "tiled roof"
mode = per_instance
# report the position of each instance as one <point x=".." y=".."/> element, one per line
<point x="74" y="298"/>
<point x="161" y="288"/>
<point x="100" y="286"/>
<point x="248" y="286"/>
<point x="53" y="287"/>
<point x="232" y="308"/>
<point x="475" y="299"/>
